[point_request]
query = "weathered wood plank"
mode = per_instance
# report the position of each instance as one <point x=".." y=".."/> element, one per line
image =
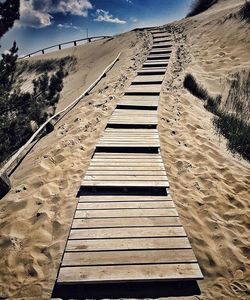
<point x="141" y="97"/>
<point x="128" y="244"/>
<point x="125" y="168"/>
<point x="126" y="173"/>
<point x="137" y="103"/>
<point x="126" y="222"/>
<point x="128" y="257"/>
<point x="125" y="155"/>
<point x="168" y="212"/>
<point x="134" y="145"/>
<point x="112" y="178"/>
<point x="152" y="71"/>
<point x="112" y="198"/>
<point x="128" y="164"/>
<point x="130" y="273"/>
<point x="126" y="205"/>
<point x="149" y="79"/>
<point x="152" y="88"/>
<point x="155" y="64"/>
<point x="139" y="130"/>
<point x="133" y="232"/>
<point x="145" y="183"/>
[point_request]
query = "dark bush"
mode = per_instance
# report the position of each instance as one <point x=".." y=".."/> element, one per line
<point x="233" y="126"/>
<point x="236" y="131"/>
<point x="192" y="86"/>
<point x="245" y="12"/>
<point x="198" y="6"/>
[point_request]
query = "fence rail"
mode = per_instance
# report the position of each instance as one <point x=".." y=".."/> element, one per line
<point x="74" y="42"/>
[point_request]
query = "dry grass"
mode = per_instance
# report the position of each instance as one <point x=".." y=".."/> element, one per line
<point x="233" y="115"/>
<point x="198" y="6"/>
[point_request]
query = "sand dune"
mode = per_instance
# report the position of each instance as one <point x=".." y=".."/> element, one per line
<point x="37" y="213"/>
<point x="210" y="186"/>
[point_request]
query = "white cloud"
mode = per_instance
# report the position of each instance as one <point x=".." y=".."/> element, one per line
<point x="38" y="13"/>
<point x="105" y="16"/>
<point x="129" y="1"/>
<point x="67" y="26"/>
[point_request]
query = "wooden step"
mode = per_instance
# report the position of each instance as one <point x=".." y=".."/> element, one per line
<point x="151" y="64"/>
<point x="130" y="273"/>
<point x="149" y="79"/>
<point x="144" y="89"/>
<point x="158" y="57"/>
<point x="162" y="45"/>
<point x="160" y="51"/>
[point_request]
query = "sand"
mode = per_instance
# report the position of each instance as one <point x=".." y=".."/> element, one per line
<point x="209" y="185"/>
<point x="36" y="214"/>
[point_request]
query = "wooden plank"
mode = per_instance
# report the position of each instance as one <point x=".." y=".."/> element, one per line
<point x="129" y="145"/>
<point x="80" y="214"/>
<point x="160" y="57"/>
<point x="160" y="51"/>
<point x="149" y="79"/>
<point x="162" y="35"/>
<point x="124" y="158"/>
<point x="112" y="178"/>
<point x="129" y="164"/>
<point x="130" y="273"/>
<point x="141" y="97"/>
<point x="152" y="88"/>
<point x="137" y="103"/>
<point x="110" y="258"/>
<point x="107" y="233"/>
<point x="124" y="183"/>
<point x="139" y="130"/>
<point x="97" y="198"/>
<point x="126" y="222"/>
<point x="126" y="155"/>
<point x="136" y="111"/>
<point x="128" y="244"/>
<point x="156" y="64"/>
<point x="126" y="168"/>
<point x="126" y="205"/>
<point x="145" y="71"/>
<point x="162" y="40"/>
<point x="162" y="45"/>
<point x="126" y="173"/>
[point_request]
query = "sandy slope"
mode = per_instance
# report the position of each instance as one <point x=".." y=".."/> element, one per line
<point x="37" y="213"/>
<point x="211" y="187"/>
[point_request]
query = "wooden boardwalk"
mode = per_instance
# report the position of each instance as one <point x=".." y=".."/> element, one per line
<point x="126" y="228"/>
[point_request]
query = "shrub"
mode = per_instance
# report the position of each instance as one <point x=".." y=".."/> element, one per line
<point x="198" y="6"/>
<point x="245" y="12"/>
<point x="232" y="120"/>
<point x="191" y="85"/>
<point x="236" y="131"/>
<point x="45" y="65"/>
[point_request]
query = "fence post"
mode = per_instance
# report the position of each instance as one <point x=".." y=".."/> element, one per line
<point x="42" y="51"/>
<point x="60" y="47"/>
<point x="5" y="184"/>
<point x="75" y="43"/>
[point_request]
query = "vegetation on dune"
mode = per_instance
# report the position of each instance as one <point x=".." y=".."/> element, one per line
<point x="45" y="65"/>
<point x="211" y="103"/>
<point x="9" y="13"/>
<point x="198" y="6"/>
<point x="22" y="112"/>
<point x="233" y="116"/>
<point x="245" y="12"/>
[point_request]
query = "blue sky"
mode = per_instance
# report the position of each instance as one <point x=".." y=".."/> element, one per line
<point x="47" y="22"/>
